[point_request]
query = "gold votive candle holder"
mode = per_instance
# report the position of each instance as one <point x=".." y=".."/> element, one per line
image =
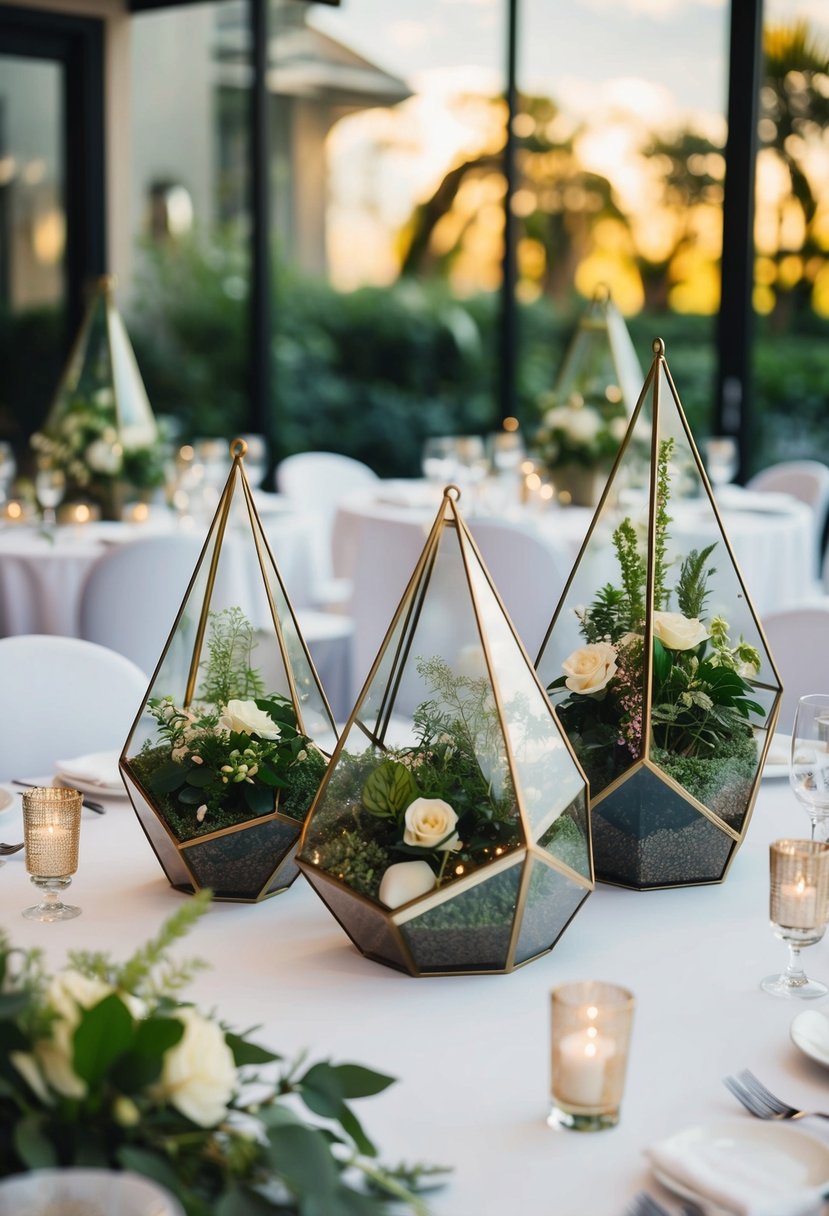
<point x="51" y="835"/>
<point x="798" y="910"/>
<point x="590" y="1034"/>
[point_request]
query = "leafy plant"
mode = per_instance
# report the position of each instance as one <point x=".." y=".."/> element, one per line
<point x="229" y="672"/>
<point x="86" y="1078"/>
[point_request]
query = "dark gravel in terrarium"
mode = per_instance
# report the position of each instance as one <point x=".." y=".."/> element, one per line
<point x="695" y="852"/>
<point x="238" y="865"/>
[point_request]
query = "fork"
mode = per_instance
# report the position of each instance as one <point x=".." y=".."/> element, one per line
<point x="644" y="1204"/>
<point x="761" y="1102"/>
<point x="6" y="850"/>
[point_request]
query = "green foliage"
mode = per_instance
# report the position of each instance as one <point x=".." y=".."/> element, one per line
<point x="691" y="588"/>
<point x="388" y="790"/>
<point x="229" y="673"/>
<point x="633" y="572"/>
<point x="125" y="1117"/>
<point x="662" y="523"/>
<point x="608" y="617"/>
<point x="355" y="859"/>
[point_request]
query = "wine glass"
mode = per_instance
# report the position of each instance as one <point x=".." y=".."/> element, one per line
<point x="798" y="911"/>
<point x="809" y="766"/>
<point x="438" y="460"/>
<point x="8" y="468"/>
<point x="50" y="486"/>
<point x="721" y="459"/>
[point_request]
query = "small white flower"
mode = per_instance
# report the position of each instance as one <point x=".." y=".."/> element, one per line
<point x="303" y="755"/>
<point x="197" y="759"/>
<point x="247" y="718"/>
<point x="201" y="812"/>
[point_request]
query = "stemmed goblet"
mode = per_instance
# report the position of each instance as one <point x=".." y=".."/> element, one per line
<point x="798" y="910"/>
<point x="50" y="486"/>
<point x="809" y="766"/>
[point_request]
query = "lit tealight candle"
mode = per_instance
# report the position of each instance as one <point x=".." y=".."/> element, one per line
<point x="583" y="1059"/>
<point x="137" y="513"/>
<point x="796" y="905"/>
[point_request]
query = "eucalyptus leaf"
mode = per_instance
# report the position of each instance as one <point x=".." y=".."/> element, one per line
<point x="151" y="1165"/>
<point x="258" y="798"/>
<point x="191" y="796"/>
<point x="32" y="1144"/>
<point x="199" y="776"/>
<point x="301" y="1157"/>
<point x="166" y="778"/>
<point x="359" y="1082"/>
<point x="248" y="1053"/>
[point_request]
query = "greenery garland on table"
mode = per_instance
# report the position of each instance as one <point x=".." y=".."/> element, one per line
<point x="102" y="1065"/>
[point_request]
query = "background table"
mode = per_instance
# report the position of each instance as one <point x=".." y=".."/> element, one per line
<point x="472" y="1052"/>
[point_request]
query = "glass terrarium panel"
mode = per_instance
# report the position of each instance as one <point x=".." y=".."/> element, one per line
<point x="601" y="364"/>
<point x="647" y="835"/>
<point x="284" y="876"/>
<point x="370" y="929"/>
<point x="551" y="900"/>
<point x="568" y="836"/>
<point x="469" y="932"/>
<point x="163" y="847"/>
<point x="238" y="864"/>
<point x="591" y="661"/>
<point x="437" y="802"/>
<point x="545" y="772"/>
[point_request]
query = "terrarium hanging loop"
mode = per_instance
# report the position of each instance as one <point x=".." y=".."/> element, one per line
<point x="238" y="449"/>
<point x="601" y="293"/>
<point x="452" y="491"/>
<point x="658" y="348"/>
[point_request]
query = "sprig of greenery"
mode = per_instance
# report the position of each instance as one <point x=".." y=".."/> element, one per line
<point x="633" y="571"/>
<point x="229" y="672"/>
<point x="661" y="524"/>
<point x="692" y="585"/>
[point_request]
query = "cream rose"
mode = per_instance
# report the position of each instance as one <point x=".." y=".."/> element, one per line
<point x="198" y="1075"/>
<point x="103" y="457"/>
<point x="68" y="994"/>
<point x="583" y="425"/>
<point x="589" y="668"/>
<point x="246" y="717"/>
<point x="428" y="821"/>
<point x="678" y="632"/>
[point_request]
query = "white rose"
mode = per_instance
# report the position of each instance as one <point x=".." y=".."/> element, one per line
<point x="557" y="418"/>
<point x="589" y="668"/>
<point x="104" y="396"/>
<point x="103" y="457"/>
<point x="428" y="821"/>
<point x="68" y="994"/>
<point x="678" y="632"/>
<point x="618" y="428"/>
<point x="246" y="717"/>
<point x="583" y="425"/>
<point x="405" y="880"/>
<point x="198" y="1075"/>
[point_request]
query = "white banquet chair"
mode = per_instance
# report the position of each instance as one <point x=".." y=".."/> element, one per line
<point x="799" y="642"/>
<point x="62" y="697"/>
<point x="316" y="483"/>
<point x="806" y="480"/>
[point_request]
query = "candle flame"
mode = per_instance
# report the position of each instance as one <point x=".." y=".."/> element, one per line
<point x="800" y="885"/>
<point x="590" y="1049"/>
<point x="592" y="1011"/>
<point x="591" y="1032"/>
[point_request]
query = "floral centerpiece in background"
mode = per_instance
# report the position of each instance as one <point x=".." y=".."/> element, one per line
<point x="104" y="1065"/>
<point x="97" y="461"/>
<point x="100" y="431"/>
<point x="234" y="755"/>
<point x="577" y="441"/>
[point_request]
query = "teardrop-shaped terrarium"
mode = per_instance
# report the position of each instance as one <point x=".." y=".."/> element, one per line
<point x="231" y="743"/>
<point x="451" y="833"/>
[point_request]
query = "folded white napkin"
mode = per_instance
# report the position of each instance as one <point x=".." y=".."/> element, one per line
<point x="747" y="1178"/>
<point x="98" y="768"/>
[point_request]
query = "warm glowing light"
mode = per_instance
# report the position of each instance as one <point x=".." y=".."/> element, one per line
<point x="590" y="1049"/>
<point x="533" y="481"/>
<point x="459" y="869"/>
<point x="527" y="467"/>
<point x="592" y="1012"/>
<point x="546" y="492"/>
<point x="511" y="424"/>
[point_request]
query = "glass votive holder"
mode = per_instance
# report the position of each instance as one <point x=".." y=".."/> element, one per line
<point x="51" y="832"/>
<point x="798" y="910"/>
<point x="590" y="1033"/>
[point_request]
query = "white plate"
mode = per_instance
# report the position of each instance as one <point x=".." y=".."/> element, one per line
<point x="810" y="1033"/>
<point x="783" y="1157"/>
<point x="41" y="1192"/>
<point x="90" y="787"/>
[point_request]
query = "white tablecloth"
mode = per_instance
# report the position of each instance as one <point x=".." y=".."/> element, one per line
<point x="42" y="574"/>
<point x="472" y="1052"/>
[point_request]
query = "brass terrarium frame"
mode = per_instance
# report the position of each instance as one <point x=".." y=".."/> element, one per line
<point x="375" y="930"/>
<point x="173" y="854"/>
<point x="134" y="421"/>
<point x="644" y="765"/>
<point x="601" y="322"/>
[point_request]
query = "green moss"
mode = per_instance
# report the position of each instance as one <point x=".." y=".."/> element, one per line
<point x="707" y="778"/>
<point x="304" y="779"/>
<point x="355" y="860"/>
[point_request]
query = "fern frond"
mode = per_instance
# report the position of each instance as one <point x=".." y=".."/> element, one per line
<point x="692" y="586"/>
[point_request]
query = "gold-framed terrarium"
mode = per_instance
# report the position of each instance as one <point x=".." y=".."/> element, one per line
<point x="100" y="431"/>
<point x="583" y="418"/>
<point x="451" y="833"/>
<point x="233" y="737"/>
<point x="657" y="664"/>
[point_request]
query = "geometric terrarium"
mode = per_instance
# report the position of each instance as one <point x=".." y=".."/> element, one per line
<point x="657" y="665"/>
<point x="100" y="430"/>
<point x="451" y="832"/>
<point x="232" y="740"/>
<point x="584" y="418"/>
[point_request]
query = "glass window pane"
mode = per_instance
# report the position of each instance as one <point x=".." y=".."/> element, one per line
<point x="32" y="240"/>
<point x="388" y="129"/>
